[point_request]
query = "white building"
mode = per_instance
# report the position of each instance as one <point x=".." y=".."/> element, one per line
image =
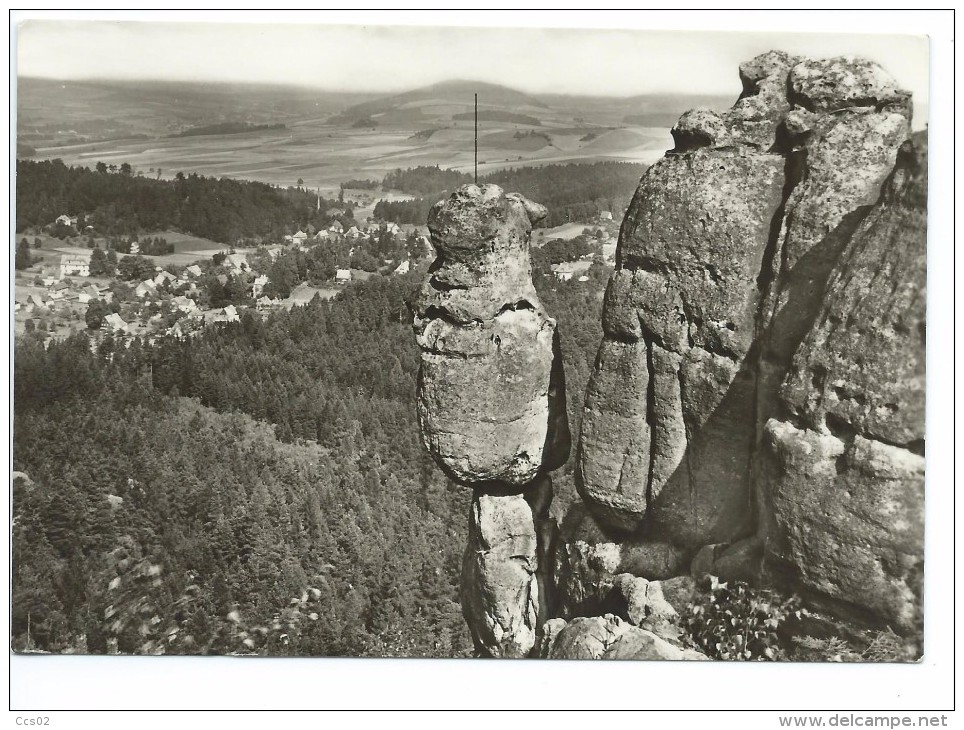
<point x="343" y="276"/>
<point x="258" y="286"/>
<point x="185" y="304"/>
<point x="237" y="261"/>
<point x="74" y="265"/>
<point x="145" y="288"/>
<point x="115" y="323"/>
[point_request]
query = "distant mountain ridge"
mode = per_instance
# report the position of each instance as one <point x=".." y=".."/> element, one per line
<point x="455" y="92"/>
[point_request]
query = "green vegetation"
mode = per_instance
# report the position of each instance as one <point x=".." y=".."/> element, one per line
<point x="559" y="250"/>
<point x="736" y="622"/>
<point x="221" y="210"/>
<point x="22" y="258"/>
<point x="572" y="192"/>
<point x="268" y="471"/>
<point x="425" y="180"/>
<point x="871" y="646"/>
<point x="360" y="185"/>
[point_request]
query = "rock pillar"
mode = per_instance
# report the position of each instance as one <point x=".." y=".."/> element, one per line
<point x="491" y="405"/>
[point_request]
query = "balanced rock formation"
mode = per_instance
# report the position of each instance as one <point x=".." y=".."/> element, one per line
<point x="491" y="406"/>
<point x="491" y="401"/>
<point x="756" y="409"/>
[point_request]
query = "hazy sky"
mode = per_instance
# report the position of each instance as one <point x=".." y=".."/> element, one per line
<point x="386" y="58"/>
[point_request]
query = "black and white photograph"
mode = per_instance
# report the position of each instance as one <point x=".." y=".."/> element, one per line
<point x="452" y="342"/>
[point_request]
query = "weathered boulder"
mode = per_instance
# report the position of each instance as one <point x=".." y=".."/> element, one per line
<point x="550" y="632"/>
<point x="640" y="600"/>
<point x="491" y="395"/>
<point x="699" y="128"/>
<point x="723" y="260"/>
<point x="609" y="637"/>
<point x="500" y="590"/>
<point x="756" y="117"/>
<point x="832" y="84"/>
<point x="588" y="561"/>
<point x="849" y="519"/>
<point x="679" y="592"/>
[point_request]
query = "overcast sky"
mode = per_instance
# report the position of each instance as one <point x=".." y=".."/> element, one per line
<point x="386" y="58"/>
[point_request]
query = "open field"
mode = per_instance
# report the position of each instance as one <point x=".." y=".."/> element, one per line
<point x="334" y="141"/>
<point x="566" y="232"/>
<point x="188" y="249"/>
<point x="324" y="155"/>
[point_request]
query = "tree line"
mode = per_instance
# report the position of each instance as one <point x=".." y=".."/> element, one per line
<point x="219" y="209"/>
<point x="575" y="192"/>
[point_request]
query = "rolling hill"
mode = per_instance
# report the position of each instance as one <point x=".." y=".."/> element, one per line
<point x="443" y="100"/>
<point x="324" y="137"/>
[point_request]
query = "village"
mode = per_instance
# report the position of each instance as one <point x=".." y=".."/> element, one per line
<point x="180" y="293"/>
<point x="59" y="294"/>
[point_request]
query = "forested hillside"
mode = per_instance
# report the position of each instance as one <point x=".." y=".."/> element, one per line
<point x="222" y="210"/>
<point x="169" y="516"/>
<point x="573" y="192"/>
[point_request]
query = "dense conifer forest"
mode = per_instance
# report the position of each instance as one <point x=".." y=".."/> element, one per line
<point x="219" y="209"/>
<point x="572" y="192"/>
<point x="260" y="488"/>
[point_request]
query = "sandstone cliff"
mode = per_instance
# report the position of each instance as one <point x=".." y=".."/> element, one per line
<point x="756" y="406"/>
<point x="761" y="379"/>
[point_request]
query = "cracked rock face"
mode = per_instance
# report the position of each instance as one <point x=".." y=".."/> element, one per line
<point x="723" y="260"/>
<point x="846" y="483"/>
<point x="491" y="395"/>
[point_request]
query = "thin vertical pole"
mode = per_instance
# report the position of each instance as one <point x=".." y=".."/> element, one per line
<point x="476" y="139"/>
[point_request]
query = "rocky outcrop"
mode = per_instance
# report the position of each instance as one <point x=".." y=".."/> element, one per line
<point x="757" y="400"/>
<point x="500" y="592"/>
<point x="491" y="407"/>
<point x="723" y="259"/>
<point x="755" y="411"/>
<point x="844" y="475"/>
<point x="588" y="562"/>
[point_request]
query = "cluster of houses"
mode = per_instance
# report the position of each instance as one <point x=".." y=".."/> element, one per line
<point x="176" y="292"/>
<point x="59" y="294"/>
<point x="336" y="229"/>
